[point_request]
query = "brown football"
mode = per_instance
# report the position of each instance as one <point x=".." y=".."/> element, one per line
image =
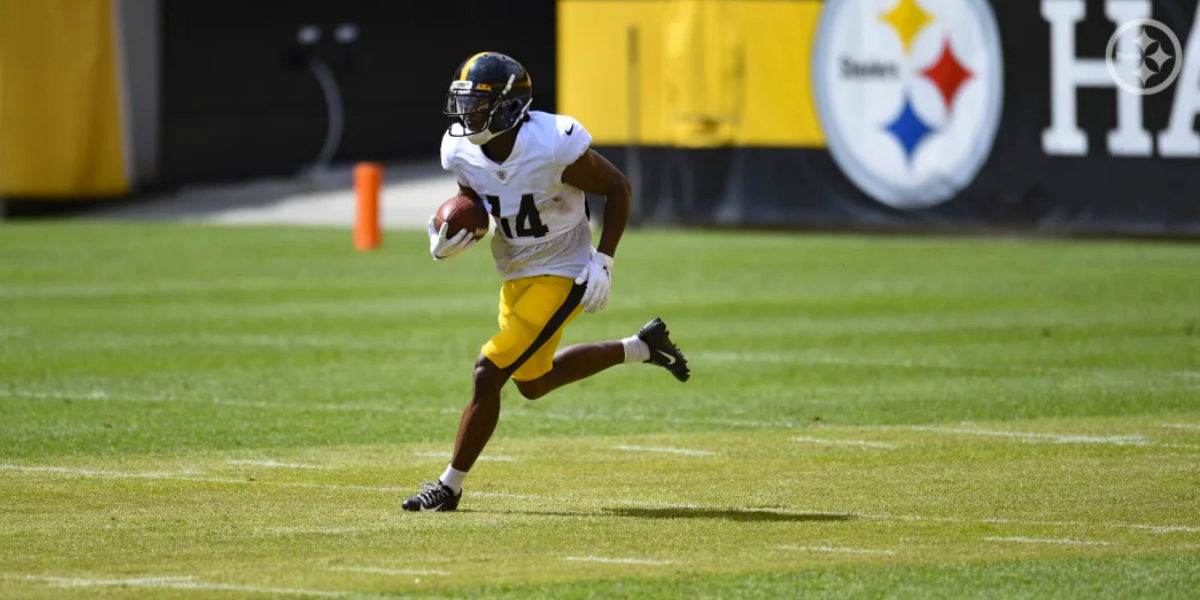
<point x="461" y="212"/>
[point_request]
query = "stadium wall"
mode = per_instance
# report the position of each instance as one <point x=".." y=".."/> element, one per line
<point x="891" y="113"/>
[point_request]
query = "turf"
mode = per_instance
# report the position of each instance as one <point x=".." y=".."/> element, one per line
<point x="195" y="412"/>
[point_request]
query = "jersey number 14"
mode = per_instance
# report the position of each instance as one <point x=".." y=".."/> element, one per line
<point x="529" y="222"/>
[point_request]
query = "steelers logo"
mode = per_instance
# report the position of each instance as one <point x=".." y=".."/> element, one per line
<point x="909" y="93"/>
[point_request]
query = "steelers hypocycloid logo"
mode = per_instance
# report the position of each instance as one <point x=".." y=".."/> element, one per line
<point x="909" y="93"/>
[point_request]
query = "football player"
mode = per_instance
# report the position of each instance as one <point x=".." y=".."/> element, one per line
<point x="531" y="170"/>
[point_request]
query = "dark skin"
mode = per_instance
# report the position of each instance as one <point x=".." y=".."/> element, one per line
<point x="593" y="174"/>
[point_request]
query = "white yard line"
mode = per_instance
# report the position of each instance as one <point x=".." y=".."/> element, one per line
<point x="620" y="561"/>
<point x="860" y="443"/>
<point x="318" y="530"/>
<point x="1116" y="440"/>
<point x="100" y="395"/>
<point x="703" y="421"/>
<point x="485" y="458"/>
<point x="86" y="582"/>
<point x="835" y="549"/>
<point x="1062" y="541"/>
<point x="308" y="406"/>
<point x="178" y="583"/>
<point x="52" y="395"/>
<point x="181" y="475"/>
<point x="273" y="464"/>
<point x="622" y="417"/>
<point x="1188" y="426"/>
<point x="665" y="450"/>
<point x="382" y="571"/>
<point x="1033" y="522"/>
<point x="506" y="495"/>
<point x="1120" y="440"/>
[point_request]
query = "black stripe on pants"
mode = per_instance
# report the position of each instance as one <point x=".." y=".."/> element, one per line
<point x="553" y="325"/>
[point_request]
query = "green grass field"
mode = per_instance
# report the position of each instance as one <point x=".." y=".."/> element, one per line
<point x="221" y="412"/>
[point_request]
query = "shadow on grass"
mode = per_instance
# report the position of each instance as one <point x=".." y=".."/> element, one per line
<point x="727" y="514"/>
<point x="747" y="515"/>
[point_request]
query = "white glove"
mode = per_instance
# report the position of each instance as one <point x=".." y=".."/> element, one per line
<point x="442" y="248"/>
<point x="598" y="276"/>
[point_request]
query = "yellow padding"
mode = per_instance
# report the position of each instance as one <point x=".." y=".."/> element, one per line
<point x="61" y="130"/>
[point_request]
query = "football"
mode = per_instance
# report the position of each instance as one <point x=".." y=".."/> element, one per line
<point x="461" y="212"/>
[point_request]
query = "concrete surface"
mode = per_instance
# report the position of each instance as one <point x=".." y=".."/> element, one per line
<point x="411" y="193"/>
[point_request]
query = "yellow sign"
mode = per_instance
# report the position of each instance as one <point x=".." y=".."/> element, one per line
<point x="690" y="73"/>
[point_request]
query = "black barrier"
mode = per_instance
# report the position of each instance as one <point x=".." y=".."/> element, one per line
<point x="245" y="85"/>
<point x="1133" y="166"/>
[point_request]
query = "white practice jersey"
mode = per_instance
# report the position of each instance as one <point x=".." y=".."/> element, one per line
<point x="540" y="225"/>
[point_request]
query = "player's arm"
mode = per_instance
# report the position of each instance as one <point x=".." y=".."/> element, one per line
<point x="464" y="190"/>
<point x="593" y="174"/>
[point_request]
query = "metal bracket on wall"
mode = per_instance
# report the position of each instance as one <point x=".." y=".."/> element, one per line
<point x="308" y="35"/>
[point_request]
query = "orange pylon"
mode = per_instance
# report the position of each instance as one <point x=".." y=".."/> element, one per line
<point x="368" y="178"/>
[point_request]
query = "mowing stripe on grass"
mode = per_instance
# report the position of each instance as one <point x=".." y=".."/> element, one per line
<point x="621" y="561"/>
<point x="665" y="450"/>
<point x="1064" y="541"/>
<point x="101" y="395"/>
<point x="382" y="571"/>
<point x="183" y="476"/>
<point x="178" y="583"/>
<point x="92" y="290"/>
<point x="835" y="549"/>
<point x="859" y="443"/>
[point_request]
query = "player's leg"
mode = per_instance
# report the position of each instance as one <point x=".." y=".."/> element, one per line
<point x="532" y="311"/>
<point x="572" y="364"/>
<point x="479" y="419"/>
<point x="652" y="344"/>
<point x="475" y="427"/>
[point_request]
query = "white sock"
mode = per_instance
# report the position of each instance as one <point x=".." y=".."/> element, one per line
<point x="453" y="479"/>
<point x="635" y="349"/>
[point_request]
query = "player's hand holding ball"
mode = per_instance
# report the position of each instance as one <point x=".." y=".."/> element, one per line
<point x="442" y="247"/>
<point x="598" y="277"/>
<point x="458" y="223"/>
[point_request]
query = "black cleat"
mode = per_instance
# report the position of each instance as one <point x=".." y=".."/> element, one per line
<point x="434" y="497"/>
<point x="662" y="351"/>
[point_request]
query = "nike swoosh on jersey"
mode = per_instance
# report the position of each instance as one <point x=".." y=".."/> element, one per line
<point x="670" y="359"/>
<point x="571" y="129"/>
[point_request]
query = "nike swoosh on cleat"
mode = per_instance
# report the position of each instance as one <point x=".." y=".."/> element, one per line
<point x="423" y="509"/>
<point x="670" y="359"/>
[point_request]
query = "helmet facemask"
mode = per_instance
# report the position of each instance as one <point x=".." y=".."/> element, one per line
<point x="480" y="116"/>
